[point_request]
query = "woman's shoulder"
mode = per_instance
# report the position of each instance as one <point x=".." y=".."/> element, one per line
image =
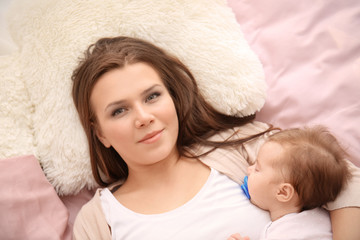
<point x="242" y="132"/>
<point x="251" y="128"/>
<point x="246" y="130"/>
<point x="234" y="161"/>
<point x="92" y="206"/>
<point x="90" y="223"/>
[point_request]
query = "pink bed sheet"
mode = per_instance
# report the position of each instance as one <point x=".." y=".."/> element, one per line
<point x="30" y="207"/>
<point x="311" y="56"/>
<point x="310" y="51"/>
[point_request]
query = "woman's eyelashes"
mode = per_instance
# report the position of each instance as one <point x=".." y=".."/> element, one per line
<point x="152" y="97"/>
<point x="118" y="112"/>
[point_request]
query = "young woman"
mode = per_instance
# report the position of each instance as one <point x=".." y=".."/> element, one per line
<point x="166" y="158"/>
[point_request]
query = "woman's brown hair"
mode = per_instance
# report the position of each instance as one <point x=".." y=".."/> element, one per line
<point x="314" y="163"/>
<point x="198" y="120"/>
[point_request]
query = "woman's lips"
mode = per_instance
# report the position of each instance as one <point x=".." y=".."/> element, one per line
<point x="151" y="137"/>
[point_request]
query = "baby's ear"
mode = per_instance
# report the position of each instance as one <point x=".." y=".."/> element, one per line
<point x="285" y="192"/>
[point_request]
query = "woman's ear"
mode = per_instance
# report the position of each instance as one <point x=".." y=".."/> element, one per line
<point x="99" y="135"/>
<point x="285" y="192"/>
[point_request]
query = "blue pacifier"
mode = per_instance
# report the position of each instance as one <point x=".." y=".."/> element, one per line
<point x="244" y="187"/>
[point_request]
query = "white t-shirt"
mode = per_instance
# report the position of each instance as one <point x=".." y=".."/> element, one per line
<point x="218" y="210"/>
<point x="312" y="224"/>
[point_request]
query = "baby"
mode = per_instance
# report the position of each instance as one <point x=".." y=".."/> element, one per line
<point x="296" y="172"/>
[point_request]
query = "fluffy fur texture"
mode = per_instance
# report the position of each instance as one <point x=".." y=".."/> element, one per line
<point x="37" y="115"/>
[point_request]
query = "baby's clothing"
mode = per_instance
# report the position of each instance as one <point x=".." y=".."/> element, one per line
<point x="312" y="224"/>
<point x="217" y="210"/>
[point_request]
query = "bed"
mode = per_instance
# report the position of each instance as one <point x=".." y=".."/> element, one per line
<point x="302" y="65"/>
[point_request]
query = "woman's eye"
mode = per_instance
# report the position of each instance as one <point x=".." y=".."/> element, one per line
<point x="117" y="112"/>
<point x="152" y="96"/>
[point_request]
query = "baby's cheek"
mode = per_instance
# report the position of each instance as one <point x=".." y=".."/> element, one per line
<point x="253" y="191"/>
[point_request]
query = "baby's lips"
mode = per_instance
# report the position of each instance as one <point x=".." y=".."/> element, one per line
<point x="244" y="187"/>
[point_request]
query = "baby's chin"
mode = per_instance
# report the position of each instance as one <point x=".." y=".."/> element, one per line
<point x="253" y="201"/>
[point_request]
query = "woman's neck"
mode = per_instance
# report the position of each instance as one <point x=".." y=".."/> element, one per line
<point x="163" y="186"/>
<point x="148" y="176"/>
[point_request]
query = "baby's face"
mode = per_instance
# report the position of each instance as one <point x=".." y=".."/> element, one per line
<point x="263" y="177"/>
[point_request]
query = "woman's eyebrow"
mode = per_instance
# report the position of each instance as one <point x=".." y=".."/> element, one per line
<point x="150" y="89"/>
<point x="114" y="104"/>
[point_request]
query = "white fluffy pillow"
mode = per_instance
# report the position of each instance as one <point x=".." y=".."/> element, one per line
<point x="36" y="105"/>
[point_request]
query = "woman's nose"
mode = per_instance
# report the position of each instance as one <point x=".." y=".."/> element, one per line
<point x="142" y="117"/>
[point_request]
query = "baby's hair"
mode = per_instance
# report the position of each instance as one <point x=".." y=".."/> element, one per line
<point x="314" y="163"/>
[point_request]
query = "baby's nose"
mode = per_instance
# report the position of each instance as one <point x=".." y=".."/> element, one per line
<point x="250" y="169"/>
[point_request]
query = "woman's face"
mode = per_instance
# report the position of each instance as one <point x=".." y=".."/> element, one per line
<point x="135" y="115"/>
